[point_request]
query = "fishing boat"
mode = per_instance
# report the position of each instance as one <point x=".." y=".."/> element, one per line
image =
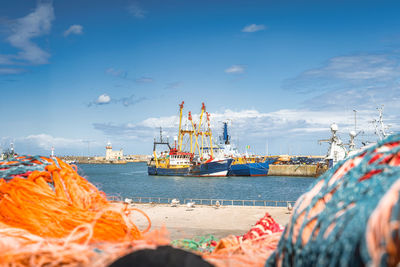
<point x="176" y="161"/>
<point x="339" y="150"/>
<point x="243" y="164"/>
<point x="251" y="166"/>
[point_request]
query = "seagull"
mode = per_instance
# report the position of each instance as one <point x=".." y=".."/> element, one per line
<point x="217" y="204"/>
<point x="174" y="202"/>
<point x="128" y="200"/>
<point x="289" y="207"/>
<point x="190" y="205"/>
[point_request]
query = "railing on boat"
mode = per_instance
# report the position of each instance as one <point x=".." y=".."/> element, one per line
<point x="210" y="202"/>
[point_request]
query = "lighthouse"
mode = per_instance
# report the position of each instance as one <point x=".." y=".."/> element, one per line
<point x="113" y="155"/>
<point x="109" y="151"/>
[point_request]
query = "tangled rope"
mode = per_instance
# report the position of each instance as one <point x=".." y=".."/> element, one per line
<point x="21" y="166"/>
<point x="350" y="216"/>
<point x="251" y="249"/>
<point x="265" y="226"/>
<point x="49" y="215"/>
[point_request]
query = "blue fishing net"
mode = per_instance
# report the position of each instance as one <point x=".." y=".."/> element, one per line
<point x="334" y="235"/>
<point x="21" y="166"/>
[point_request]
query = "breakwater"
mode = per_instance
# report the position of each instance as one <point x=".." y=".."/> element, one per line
<point x="103" y="160"/>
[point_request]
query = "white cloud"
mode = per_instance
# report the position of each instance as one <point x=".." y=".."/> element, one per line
<point x="298" y="128"/>
<point x="11" y="70"/>
<point x="130" y="100"/>
<point x="41" y="144"/>
<point x="357" y="71"/>
<point x="235" y="69"/>
<point x="6" y="60"/>
<point x="103" y="99"/>
<point x="359" y="67"/>
<point x="165" y="122"/>
<point x="125" y="101"/>
<point x="255" y="123"/>
<point x="33" y="25"/>
<point x="46" y="141"/>
<point x="135" y="10"/>
<point x="363" y="82"/>
<point x="173" y="85"/>
<point x="74" y="29"/>
<point x="117" y="73"/>
<point x="144" y="80"/>
<point x="254" y="28"/>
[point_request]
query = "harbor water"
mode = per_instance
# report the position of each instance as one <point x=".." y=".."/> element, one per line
<point x="131" y="180"/>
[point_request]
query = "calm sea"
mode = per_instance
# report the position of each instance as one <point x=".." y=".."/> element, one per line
<point x="131" y="180"/>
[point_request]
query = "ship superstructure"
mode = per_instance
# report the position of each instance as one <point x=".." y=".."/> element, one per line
<point x="338" y="150"/>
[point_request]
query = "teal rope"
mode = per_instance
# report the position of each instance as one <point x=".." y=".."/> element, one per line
<point x="8" y="170"/>
<point x="202" y="244"/>
<point x="345" y="245"/>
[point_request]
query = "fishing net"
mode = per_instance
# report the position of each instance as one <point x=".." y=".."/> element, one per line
<point x="251" y="249"/>
<point x="350" y="216"/>
<point x="51" y="216"/>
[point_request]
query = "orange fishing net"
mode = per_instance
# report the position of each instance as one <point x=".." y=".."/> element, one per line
<point x="56" y="217"/>
<point x="51" y="216"/>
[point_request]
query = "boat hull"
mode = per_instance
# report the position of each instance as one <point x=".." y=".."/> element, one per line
<point x="210" y="169"/>
<point x="249" y="169"/>
<point x="152" y="170"/>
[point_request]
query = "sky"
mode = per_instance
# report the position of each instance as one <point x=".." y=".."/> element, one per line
<point x="75" y="75"/>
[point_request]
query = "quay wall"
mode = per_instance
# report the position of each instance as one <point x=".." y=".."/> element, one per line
<point x="296" y="170"/>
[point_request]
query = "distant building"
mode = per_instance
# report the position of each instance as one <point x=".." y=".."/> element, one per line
<point x="113" y="155"/>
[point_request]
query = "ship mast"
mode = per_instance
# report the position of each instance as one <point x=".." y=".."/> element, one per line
<point x="180" y="136"/>
<point x="182" y="132"/>
<point x="203" y="109"/>
<point x="192" y="132"/>
<point x="195" y="134"/>
<point x="195" y="131"/>
<point x="209" y="134"/>
<point x="381" y="132"/>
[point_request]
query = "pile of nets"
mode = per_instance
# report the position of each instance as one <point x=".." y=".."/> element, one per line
<point x="251" y="249"/>
<point x="350" y="216"/>
<point x="51" y="216"/>
<point x="265" y="226"/>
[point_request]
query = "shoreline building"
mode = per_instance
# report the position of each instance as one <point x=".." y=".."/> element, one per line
<point x="113" y="155"/>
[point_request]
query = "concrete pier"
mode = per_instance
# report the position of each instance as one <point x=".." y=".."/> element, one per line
<point x="201" y="220"/>
<point x="296" y="170"/>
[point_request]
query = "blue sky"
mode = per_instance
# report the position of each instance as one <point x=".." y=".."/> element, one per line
<point x="73" y="72"/>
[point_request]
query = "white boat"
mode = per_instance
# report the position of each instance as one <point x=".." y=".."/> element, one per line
<point x="338" y="150"/>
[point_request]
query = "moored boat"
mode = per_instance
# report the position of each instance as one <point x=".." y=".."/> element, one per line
<point x="177" y="162"/>
<point x="248" y="169"/>
<point x="243" y="164"/>
<point x="214" y="168"/>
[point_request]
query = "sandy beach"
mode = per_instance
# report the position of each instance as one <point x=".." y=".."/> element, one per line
<point x="184" y="222"/>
